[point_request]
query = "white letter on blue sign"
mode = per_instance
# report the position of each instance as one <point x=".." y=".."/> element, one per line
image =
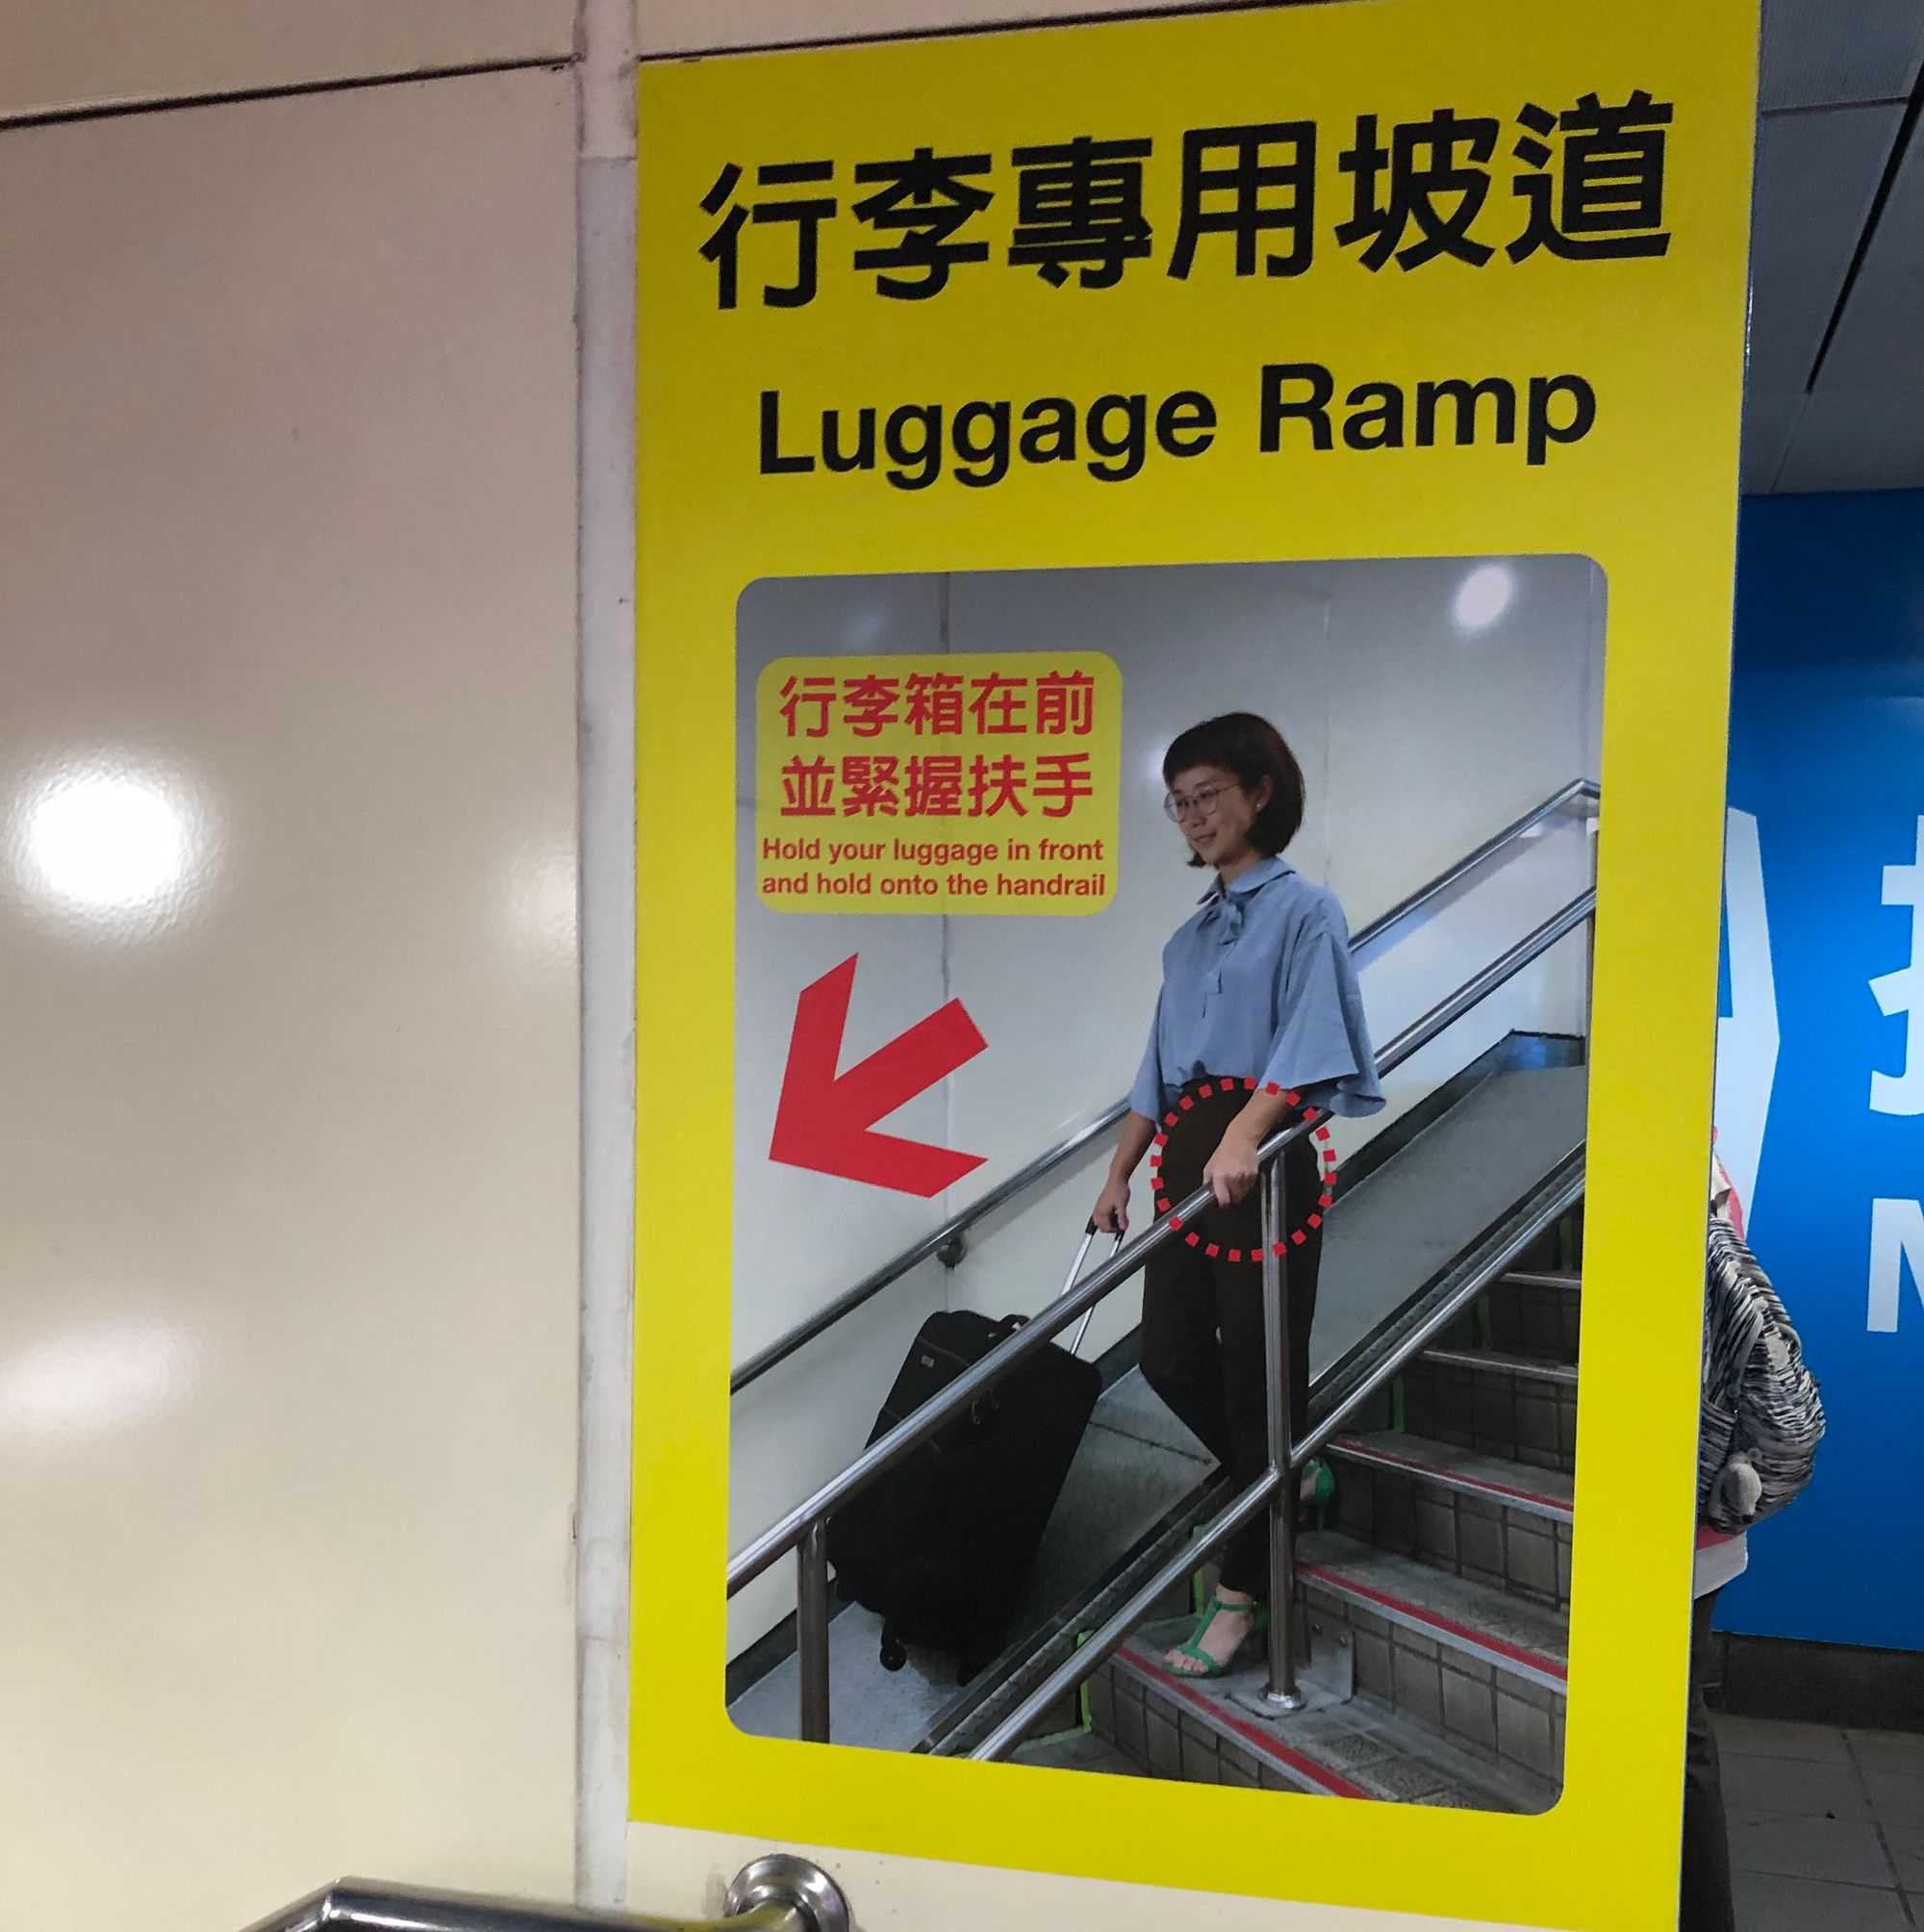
<point x="1896" y="1237"/>
<point x="1903" y="992"/>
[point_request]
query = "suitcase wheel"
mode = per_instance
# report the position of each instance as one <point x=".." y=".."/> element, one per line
<point x="894" y="1656"/>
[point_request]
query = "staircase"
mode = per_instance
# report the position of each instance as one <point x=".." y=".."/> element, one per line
<point x="1436" y="1592"/>
<point x="1436" y="1597"/>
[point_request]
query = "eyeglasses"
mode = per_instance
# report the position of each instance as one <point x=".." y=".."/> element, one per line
<point x="1203" y="800"/>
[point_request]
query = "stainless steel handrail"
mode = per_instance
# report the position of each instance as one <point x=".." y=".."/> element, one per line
<point x="926" y="1249"/>
<point x="1517" y="829"/>
<point x="1474" y="991"/>
<point x="777" y="1894"/>
<point x="791" y="1529"/>
<point x="1101" y="1644"/>
<point x="1427" y="1327"/>
<point x="1025" y="1177"/>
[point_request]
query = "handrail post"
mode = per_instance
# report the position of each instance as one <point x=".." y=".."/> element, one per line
<point x="1281" y="1693"/>
<point x="811" y="1632"/>
<point x="778" y="1892"/>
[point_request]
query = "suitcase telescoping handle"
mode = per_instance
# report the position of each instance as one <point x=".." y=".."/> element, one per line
<point x="1075" y="1271"/>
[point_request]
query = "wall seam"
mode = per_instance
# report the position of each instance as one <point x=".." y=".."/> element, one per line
<point x="345" y="84"/>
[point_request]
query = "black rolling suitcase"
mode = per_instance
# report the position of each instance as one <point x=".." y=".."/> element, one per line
<point x="941" y="1546"/>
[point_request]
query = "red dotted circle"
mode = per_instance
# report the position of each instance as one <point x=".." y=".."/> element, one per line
<point x="1325" y="1196"/>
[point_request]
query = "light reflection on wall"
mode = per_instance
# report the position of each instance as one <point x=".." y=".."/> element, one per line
<point x="111" y="844"/>
<point x="1483" y="595"/>
<point x="92" y="1380"/>
<point x="542" y="901"/>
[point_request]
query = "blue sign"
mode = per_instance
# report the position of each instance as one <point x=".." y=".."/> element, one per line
<point x="1820" y="1085"/>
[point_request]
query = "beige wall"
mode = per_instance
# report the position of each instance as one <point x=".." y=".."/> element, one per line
<point x="288" y="1170"/>
<point x="91" y="53"/>
<point x="703" y="26"/>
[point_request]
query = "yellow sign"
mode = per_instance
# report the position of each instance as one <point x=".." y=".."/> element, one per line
<point x="938" y="784"/>
<point x="1418" y="279"/>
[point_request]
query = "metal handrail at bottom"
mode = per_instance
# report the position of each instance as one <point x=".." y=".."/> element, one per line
<point x="776" y="1893"/>
<point x="1559" y="1192"/>
<point x="1089" y="1657"/>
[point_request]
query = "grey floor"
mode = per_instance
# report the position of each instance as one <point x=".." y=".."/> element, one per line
<point x="1827" y="1826"/>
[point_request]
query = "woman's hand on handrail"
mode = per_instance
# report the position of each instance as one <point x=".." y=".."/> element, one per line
<point x="1231" y="1172"/>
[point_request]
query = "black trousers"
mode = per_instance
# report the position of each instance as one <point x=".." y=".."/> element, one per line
<point x="1202" y="1325"/>
<point x="1704" y="1903"/>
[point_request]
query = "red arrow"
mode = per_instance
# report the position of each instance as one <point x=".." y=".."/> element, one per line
<point x="825" y="1121"/>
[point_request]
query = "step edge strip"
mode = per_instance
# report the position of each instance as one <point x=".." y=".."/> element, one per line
<point x="1324" y="1781"/>
<point x="1491" y="1361"/>
<point x="1543" y="1671"/>
<point x="1453" y="1479"/>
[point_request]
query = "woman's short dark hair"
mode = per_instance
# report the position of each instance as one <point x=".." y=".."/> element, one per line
<point x="1254" y="750"/>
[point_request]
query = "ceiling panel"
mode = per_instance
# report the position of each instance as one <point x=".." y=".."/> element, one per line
<point x="1816" y="175"/>
<point x="1768" y="424"/>
<point x="1857" y="439"/>
<point x="1819" y="52"/>
<point x="1879" y="342"/>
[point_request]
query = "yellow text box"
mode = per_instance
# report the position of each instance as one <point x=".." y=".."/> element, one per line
<point x="984" y="783"/>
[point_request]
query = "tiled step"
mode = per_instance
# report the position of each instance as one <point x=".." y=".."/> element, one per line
<point x="1200" y="1732"/>
<point x="1483" y="1517"/>
<point x="1535" y="1312"/>
<point x="1493" y="1479"/>
<point x="1482" y="1668"/>
<point x="1460" y="1658"/>
<point x="1516" y="1408"/>
<point x="1473" y="1621"/>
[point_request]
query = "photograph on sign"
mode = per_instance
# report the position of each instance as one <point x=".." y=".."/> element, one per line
<point x="1058" y="894"/>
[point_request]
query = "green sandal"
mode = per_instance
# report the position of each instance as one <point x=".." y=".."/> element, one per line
<point x="1194" y="1651"/>
<point x="1319" y="1480"/>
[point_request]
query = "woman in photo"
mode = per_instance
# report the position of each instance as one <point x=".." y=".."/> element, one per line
<point x="1258" y="984"/>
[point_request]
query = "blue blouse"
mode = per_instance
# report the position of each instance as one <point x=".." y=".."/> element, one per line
<point x="1259" y="983"/>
